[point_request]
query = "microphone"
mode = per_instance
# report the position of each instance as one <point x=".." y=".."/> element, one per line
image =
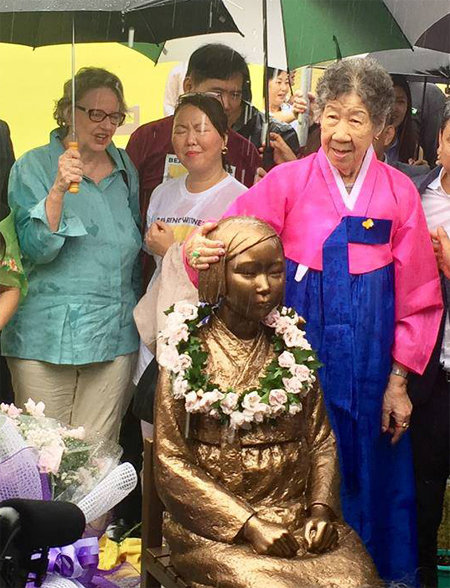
<point x="43" y="524"/>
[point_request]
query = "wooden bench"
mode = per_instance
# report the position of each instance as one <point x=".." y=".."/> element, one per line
<point x="155" y="561"/>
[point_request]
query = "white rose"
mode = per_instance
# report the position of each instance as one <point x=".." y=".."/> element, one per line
<point x="179" y="387"/>
<point x="191" y="402"/>
<point x="294" y="409"/>
<point x="272" y="318"/>
<point x="277" y="397"/>
<point x="185" y="361"/>
<point x="302" y="372"/>
<point x="277" y="409"/>
<point x="209" y="398"/>
<point x="174" y="320"/>
<point x="177" y="334"/>
<point x="169" y="358"/>
<point x="229" y="403"/>
<point x="237" y="419"/>
<point x="286" y="359"/>
<point x="186" y="309"/>
<point x="251" y="401"/>
<point x="33" y="409"/>
<point x="292" y="385"/>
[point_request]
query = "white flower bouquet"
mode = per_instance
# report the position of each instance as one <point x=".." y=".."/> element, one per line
<point x="71" y="463"/>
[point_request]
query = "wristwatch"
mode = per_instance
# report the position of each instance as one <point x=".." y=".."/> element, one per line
<point x="398" y="371"/>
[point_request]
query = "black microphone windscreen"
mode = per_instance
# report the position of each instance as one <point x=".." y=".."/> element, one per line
<point x="46" y="524"/>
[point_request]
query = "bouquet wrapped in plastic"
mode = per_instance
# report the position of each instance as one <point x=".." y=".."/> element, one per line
<point x="43" y="460"/>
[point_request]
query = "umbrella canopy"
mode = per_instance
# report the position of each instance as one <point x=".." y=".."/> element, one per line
<point x="49" y="22"/>
<point x="419" y="64"/>
<point x="426" y="23"/>
<point x="301" y="32"/>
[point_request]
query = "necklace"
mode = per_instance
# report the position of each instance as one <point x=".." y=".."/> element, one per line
<point x="284" y="383"/>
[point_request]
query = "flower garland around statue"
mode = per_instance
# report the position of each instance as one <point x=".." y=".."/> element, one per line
<point x="286" y="380"/>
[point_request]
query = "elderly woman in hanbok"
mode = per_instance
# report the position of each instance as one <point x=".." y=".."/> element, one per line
<point x="249" y="504"/>
<point x="360" y="270"/>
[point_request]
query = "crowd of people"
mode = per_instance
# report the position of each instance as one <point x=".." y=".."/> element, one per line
<point x="361" y="213"/>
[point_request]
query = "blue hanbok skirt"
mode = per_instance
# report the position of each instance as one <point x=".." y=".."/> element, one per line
<point x="350" y="322"/>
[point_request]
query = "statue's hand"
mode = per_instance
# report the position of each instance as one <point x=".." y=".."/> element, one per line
<point x="320" y="534"/>
<point x="270" y="538"/>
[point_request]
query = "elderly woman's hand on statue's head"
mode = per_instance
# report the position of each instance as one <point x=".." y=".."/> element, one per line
<point x="201" y="251"/>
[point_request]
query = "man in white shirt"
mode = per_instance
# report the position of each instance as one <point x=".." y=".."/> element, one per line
<point x="430" y="393"/>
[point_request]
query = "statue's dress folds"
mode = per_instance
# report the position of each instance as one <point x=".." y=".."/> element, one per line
<point x="211" y="486"/>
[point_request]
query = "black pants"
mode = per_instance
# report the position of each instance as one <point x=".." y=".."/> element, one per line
<point x="430" y="434"/>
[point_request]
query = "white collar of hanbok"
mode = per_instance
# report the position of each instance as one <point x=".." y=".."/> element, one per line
<point x="350" y="199"/>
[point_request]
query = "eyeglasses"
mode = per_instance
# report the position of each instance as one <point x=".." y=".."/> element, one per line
<point x="97" y="115"/>
<point x="216" y="95"/>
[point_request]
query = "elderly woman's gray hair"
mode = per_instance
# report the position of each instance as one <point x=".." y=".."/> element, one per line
<point x="86" y="79"/>
<point x="363" y="76"/>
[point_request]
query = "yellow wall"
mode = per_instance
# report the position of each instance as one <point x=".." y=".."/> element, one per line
<point x="31" y="81"/>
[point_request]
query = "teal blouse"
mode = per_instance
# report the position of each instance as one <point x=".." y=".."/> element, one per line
<point x="84" y="279"/>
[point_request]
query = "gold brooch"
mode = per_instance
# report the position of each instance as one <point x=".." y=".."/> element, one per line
<point x="368" y="224"/>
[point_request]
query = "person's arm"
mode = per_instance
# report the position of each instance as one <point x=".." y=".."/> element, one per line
<point x="9" y="301"/>
<point x="323" y="481"/>
<point x="441" y="245"/>
<point x="418" y="308"/>
<point x="43" y="221"/>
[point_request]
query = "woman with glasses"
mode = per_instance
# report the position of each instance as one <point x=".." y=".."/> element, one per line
<point x="72" y="343"/>
<point x="177" y="207"/>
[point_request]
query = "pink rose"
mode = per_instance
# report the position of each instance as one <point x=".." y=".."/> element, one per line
<point x="293" y="337"/>
<point x="173" y="321"/>
<point x="237" y="419"/>
<point x="292" y="385"/>
<point x="277" y="397"/>
<point x="286" y="360"/>
<point x="210" y="398"/>
<point x="251" y="401"/>
<point x="272" y="318"/>
<point x="301" y="372"/>
<point x="11" y="410"/>
<point x="284" y="324"/>
<point x="229" y="403"/>
<point x="295" y="408"/>
<point x="185" y="361"/>
<point x="50" y="457"/>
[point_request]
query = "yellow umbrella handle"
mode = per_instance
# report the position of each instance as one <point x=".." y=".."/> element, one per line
<point x="74" y="187"/>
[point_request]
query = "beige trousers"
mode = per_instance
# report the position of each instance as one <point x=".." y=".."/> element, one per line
<point x="94" y="395"/>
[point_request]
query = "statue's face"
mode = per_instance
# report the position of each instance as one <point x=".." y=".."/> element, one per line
<point x="255" y="280"/>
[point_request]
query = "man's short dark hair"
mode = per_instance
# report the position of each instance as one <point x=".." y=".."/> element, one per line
<point x="217" y="61"/>
<point x="445" y="115"/>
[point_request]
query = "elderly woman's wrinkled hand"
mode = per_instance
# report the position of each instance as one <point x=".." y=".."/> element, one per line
<point x="201" y="251"/>
<point x="159" y="238"/>
<point x="70" y="169"/>
<point x="397" y="408"/>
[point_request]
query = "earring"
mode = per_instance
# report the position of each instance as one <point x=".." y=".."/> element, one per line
<point x="224" y="150"/>
<point x="376" y="137"/>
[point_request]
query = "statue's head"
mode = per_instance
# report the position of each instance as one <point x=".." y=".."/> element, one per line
<point x="250" y="277"/>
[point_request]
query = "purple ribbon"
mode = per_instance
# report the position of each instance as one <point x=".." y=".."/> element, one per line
<point x="78" y="560"/>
